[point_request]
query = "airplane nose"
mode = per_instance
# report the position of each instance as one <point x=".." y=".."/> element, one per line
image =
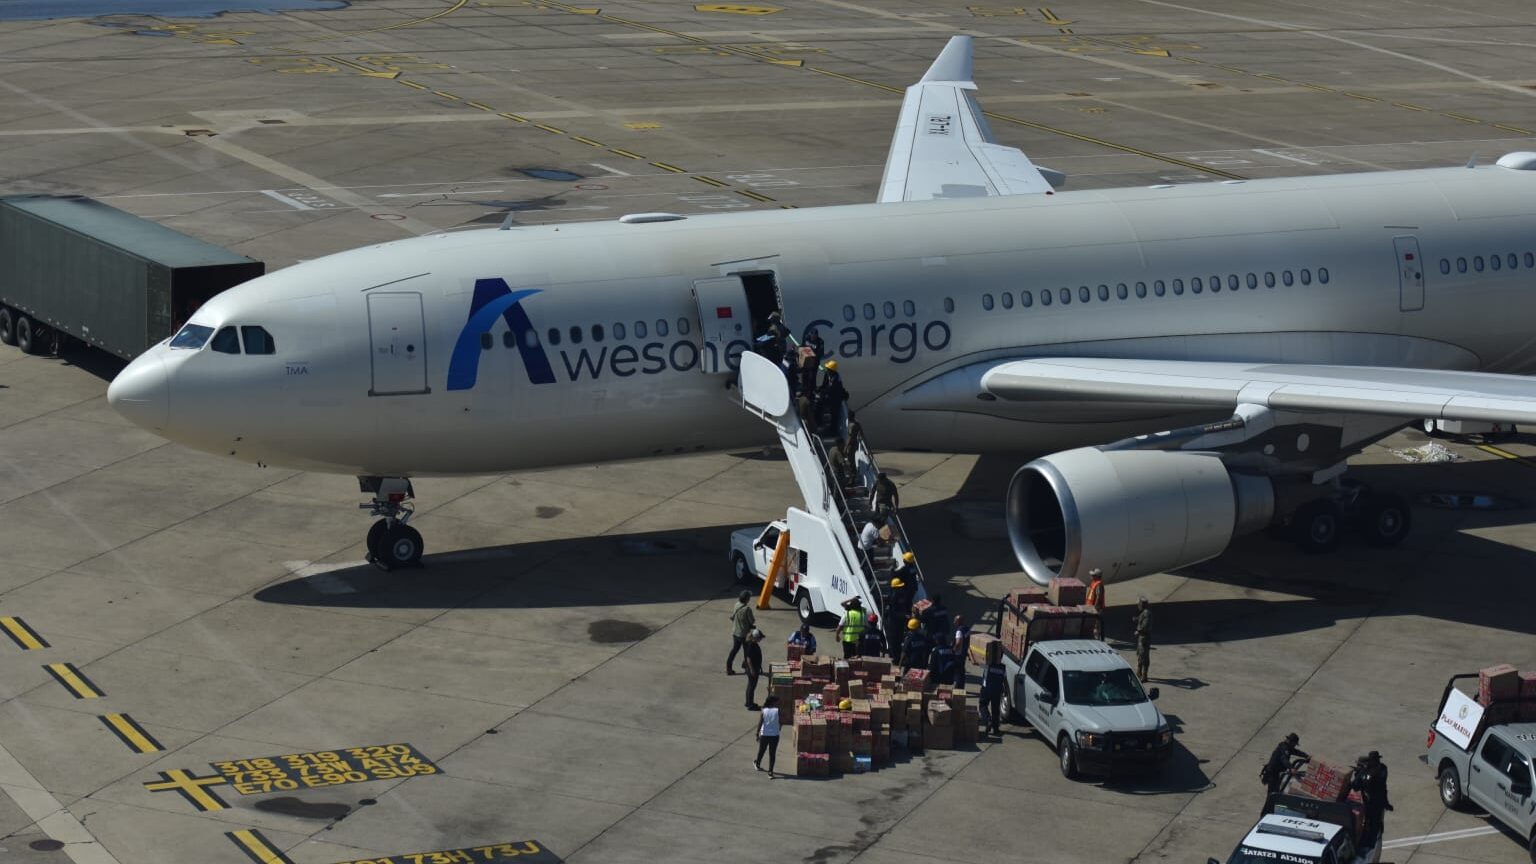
<point x="141" y="392"/>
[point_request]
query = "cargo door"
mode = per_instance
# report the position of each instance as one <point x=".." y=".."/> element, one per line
<point x="724" y="318"/>
<point x="1410" y="274"/>
<point x="398" y="344"/>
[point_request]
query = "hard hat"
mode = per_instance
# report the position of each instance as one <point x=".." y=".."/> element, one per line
<point x="908" y="557"/>
<point x="844" y="704"/>
<point x="831" y="365"/>
<point x="1095" y="573"/>
<point x="912" y="624"/>
<point x="897" y="583"/>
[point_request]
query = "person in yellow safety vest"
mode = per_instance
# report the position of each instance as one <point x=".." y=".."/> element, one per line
<point x="851" y="628"/>
<point x="1096" y="589"/>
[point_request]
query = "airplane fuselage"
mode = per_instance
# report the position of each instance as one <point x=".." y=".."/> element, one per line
<point x="379" y="368"/>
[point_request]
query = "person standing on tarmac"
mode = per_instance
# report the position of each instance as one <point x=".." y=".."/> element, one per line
<point x="898" y="607"/>
<point x="914" y="652"/>
<point x="851" y="628"/>
<point x="941" y="664"/>
<point x="753" y="649"/>
<point x="1373" y="791"/>
<point x="872" y="643"/>
<point x="1143" y="638"/>
<point x="768" y="735"/>
<point x="743" y="619"/>
<point x="962" y="647"/>
<point x="994" y="678"/>
<point x="1280" y="762"/>
<point x="1096" y="589"/>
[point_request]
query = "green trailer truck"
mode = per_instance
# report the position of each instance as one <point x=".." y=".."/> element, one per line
<point x="75" y="269"/>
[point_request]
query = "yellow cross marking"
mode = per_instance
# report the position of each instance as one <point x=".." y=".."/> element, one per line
<point x="191" y="788"/>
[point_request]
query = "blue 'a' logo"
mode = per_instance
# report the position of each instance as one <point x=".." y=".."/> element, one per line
<point x="493" y="298"/>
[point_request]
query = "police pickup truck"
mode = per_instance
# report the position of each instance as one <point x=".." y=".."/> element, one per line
<point x="1298" y="839"/>
<point x="1486" y="763"/>
<point x="1082" y="697"/>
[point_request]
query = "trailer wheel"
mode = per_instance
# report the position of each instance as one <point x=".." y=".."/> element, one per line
<point x="1066" y="756"/>
<point x="1450" y="787"/>
<point x="26" y="336"/>
<point x="7" y="326"/>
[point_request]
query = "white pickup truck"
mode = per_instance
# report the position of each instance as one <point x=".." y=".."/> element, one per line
<point x="1299" y="839"/>
<point x="1488" y="764"/>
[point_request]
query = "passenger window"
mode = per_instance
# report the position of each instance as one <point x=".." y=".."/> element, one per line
<point x="1121" y="291"/>
<point x="1445" y="265"/>
<point x="1103" y="292"/>
<point x="949" y="305"/>
<point x="1178" y="286"/>
<point x="1322" y="275"/>
<point x="1032" y="666"/>
<point x="1495" y="262"/>
<point x="554" y="336"/>
<point x="909" y="309"/>
<point x="597" y="332"/>
<point x="869" y="311"/>
<point x="1269" y="280"/>
<point x="1196" y="285"/>
<point x="575" y="335"/>
<point x="1157" y="287"/>
<point x="889" y="309"/>
<point x="618" y="331"/>
<point x="530" y="338"/>
<point x="1530" y="259"/>
<point x="1045" y="297"/>
<point x="661" y="328"/>
<point x="226" y="341"/>
<point x="682" y="326"/>
<point x="1253" y="280"/>
<point x="1026" y="299"/>
<point x="1007" y="299"/>
<point x="1049" y="679"/>
<point x="986" y="302"/>
<point x="1287" y="278"/>
<point x="508" y="339"/>
<point x="1495" y="752"/>
<point x="1084" y="294"/>
<point x="847" y="313"/>
<point x="1064" y="295"/>
<point x="1233" y="282"/>
<point x="1141" y="289"/>
<point x="1306" y="277"/>
<point x="639" y="329"/>
<point x="1514" y="261"/>
<point x="1461" y="265"/>
<point x="1477" y="263"/>
<point x="257" y="340"/>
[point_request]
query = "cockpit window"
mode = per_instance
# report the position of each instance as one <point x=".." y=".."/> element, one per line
<point x="192" y="336"/>
<point x="257" y="340"/>
<point x="226" y="341"/>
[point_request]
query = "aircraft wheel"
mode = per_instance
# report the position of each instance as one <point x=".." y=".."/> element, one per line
<point x="7" y="326"/>
<point x="1386" y="519"/>
<point x="401" y="547"/>
<point x="376" y="533"/>
<point x="1315" y="526"/>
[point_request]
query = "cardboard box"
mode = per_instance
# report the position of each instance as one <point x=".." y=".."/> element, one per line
<point x="863" y="743"/>
<point x="812" y="764"/>
<point x="939" y="714"/>
<point x="794" y="652"/>
<point x="916" y="680"/>
<point x="856" y="689"/>
<point x="1527" y="697"/>
<point x="1066" y="591"/>
<point x="915" y="718"/>
<point x="939" y="738"/>
<point x="1022" y="597"/>
<point x="920" y="607"/>
<point x="842" y="761"/>
<point x="976" y="653"/>
<point x="1324" y="780"/>
<point x="1498" y="684"/>
<point x="880" y="712"/>
<point x="899" y="738"/>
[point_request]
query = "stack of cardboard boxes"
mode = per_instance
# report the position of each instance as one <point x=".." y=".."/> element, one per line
<point x="1323" y="780"/>
<point x="883" y="713"/>
<point x="1033" y="614"/>
<point x="1506" y="694"/>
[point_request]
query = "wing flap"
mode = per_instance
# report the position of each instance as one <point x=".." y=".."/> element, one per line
<point x="1385" y="391"/>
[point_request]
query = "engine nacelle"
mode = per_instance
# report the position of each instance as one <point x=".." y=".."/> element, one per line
<point x="1129" y="512"/>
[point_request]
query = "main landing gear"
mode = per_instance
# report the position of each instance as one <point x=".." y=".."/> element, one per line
<point x="391" y="542"/>
<point x="1382" y="518"/>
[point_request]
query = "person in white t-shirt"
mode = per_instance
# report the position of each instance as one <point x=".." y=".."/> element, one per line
<point x="768" y="734"/>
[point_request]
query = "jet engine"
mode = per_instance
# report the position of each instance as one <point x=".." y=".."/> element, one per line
<point x="1129" y="512"/>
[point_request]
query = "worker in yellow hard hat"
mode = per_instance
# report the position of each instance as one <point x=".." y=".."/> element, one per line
<point x="830" y="397"/>
<point x="898" y="601"/>
<point x="915" y="650"/>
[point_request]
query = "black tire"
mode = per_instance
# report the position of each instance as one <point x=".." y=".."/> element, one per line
<point x="803" y="606"/>
<point x="401" y="547"/>
<point x="1066" y="757"/>
<point x="26" y="339"/>
<point x="740" y="569"/>
<point x="1386" y="519"/>
<point x="376" y="533"/>
<point x="1450" y="788"/>
<point x="7" y="326"/>
<point x="1316" y="526"/>
<point x="1532" y="847"/>
<point x="1010" y="711"/>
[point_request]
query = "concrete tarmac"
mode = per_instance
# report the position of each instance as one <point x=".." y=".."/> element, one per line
<point x="553" y="672"/>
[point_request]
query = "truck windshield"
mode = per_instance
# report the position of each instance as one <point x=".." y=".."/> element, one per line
<point x="1113" y="687"/>
<point x="1245" y="855"/>
<point x="192" y="336"/>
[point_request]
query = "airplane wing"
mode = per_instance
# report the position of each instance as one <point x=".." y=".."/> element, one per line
<point x="1374" y="390"/>
<point x="943" y="147"/>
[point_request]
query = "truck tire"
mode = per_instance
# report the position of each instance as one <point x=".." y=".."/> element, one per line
<point x="1066" y="757"/>
<point x="803" y="606"/>
<point x="1009" y="710"/>
<point x="740" y="569"/>
<point x="24" y="336"/>
<point x="7" y="325"/>
<point x="1450" y="788"/>
<point x="1532" y="847"/>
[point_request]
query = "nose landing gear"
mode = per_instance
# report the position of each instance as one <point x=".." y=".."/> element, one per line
<point x="391" y="542"/>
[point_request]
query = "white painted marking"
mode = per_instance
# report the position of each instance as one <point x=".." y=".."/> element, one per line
<point x="42" y="808"/>
<point x="1283" y="156"/>
<point x="323" y="577"/>
<point x="278" y="196"/>
<point x="432" y="194"/>
<point x="613" y="171"/>
<point x="1443" y="836"/>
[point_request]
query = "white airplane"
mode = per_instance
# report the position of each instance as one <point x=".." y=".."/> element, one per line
<point x="1234" y="341"/>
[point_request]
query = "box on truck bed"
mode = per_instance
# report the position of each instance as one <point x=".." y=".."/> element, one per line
<point x="74" y="266"/>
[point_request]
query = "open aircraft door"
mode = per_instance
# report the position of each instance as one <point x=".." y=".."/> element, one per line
<point x="1410" y="274"/>
<point x="398" y="344"/>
